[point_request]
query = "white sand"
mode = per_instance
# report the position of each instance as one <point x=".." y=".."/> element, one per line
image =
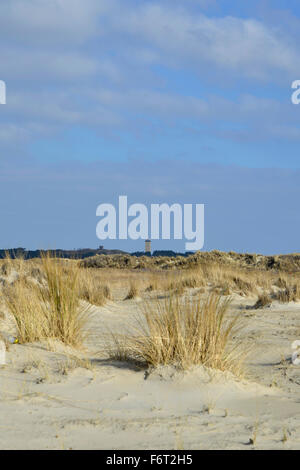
<point x="117" y="406"/>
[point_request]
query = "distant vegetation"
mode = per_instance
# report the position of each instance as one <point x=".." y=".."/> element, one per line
<point x="287" y="263"/>
<point x="163" y="259"/>
<point x="81" y="253"/>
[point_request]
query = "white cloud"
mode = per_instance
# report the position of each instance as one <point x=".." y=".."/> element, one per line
<point x="26" y="64"/>
<point x="154" y="32"/>
<point x="51" y="21"/>
<point x="91" y="63"/>
<point x="246" y="47"/>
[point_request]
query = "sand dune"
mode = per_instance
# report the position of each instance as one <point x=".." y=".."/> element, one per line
<point x="62" y="398"/>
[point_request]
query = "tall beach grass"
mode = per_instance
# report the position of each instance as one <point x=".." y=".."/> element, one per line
<point x="183" y="333"/>
<point x="50" y="309"/>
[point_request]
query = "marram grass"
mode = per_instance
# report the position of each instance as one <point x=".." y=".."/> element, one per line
<point x="51" y="309"/>
<point x="184" y="333"/>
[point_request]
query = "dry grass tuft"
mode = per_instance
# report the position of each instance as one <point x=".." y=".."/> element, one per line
<point x="25" y="305"/>
<point x="264" y="300"/>
<point x="281" y="282"/>
<point x="51" y="310"/>
<point x="183" y="333"/>
<point x="92" y="289"/>
<point x="61" y="301"/>
<point x="290" y="294"/>
<point x="245" y="286"/>
<point x="71" y="363"/>
<point x="176" y="287"/>
<point x="133" y="291"/>
<point x="5" y="268"/>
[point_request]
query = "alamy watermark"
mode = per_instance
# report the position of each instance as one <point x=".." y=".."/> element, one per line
<point x="296" y="95"/>
<point x="188" y="222"/>
<point x="2" y="92"/>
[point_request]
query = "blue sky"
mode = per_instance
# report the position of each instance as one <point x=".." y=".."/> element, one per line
<point x="164" y="101"/>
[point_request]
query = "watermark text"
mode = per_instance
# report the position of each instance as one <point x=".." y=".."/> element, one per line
<point x="188" y="222"/>
<point x="2" y="92"/>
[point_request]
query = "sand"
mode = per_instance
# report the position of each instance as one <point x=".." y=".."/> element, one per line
<point x="50" y="400"/>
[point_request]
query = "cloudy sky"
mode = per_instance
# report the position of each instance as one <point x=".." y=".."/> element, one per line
<point x="184" y="101"/>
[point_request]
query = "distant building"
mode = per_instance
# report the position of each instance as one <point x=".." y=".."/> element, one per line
<point x="148" y="246"/>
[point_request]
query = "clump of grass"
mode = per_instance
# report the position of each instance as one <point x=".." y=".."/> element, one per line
<point x="190" y="282"/>
<point x="51" y="310"/>
<point x="37" y="274"/>
<point x="289" y="294"/>
<point x="176" y="287"/>
<point x="61" y="301"/>
<point x="264" y="300"/>
<point x="133" y="291"/>
<point x="117" y="348"/>
<point x="107" y="292"/>
<point x="25" y="305"/>
<point x="184" y="333"/>
<point x="154" y="283"/>
<point x="72" y="363"/>
<point x="284" y="296"/>
<point x="281" y="282"/>
<point x="93" y="290"/>
<point x="5" y="268"/>
<point x="98" y="296"/>
<point x="245" y="286"/>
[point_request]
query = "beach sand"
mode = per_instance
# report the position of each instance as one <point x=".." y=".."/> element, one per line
<point x="65" y="399"/>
